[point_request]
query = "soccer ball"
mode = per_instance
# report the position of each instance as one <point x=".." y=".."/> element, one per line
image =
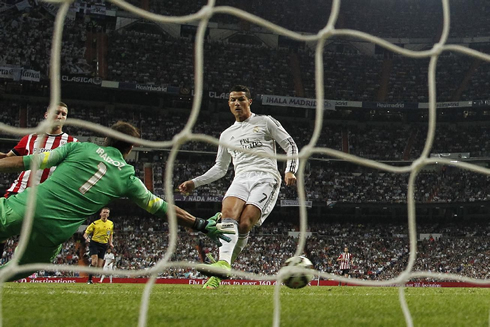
<point x="299" y="280"/>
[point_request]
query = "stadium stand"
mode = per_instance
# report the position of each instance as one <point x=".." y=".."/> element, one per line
<point x="142" y="53"/>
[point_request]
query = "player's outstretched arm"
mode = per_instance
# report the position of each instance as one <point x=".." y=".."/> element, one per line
<point x="140" y="195"/>
<point x="11" y="165"/>
<point x="214" y="230"/>
<point x="8" y="154"/>
<point x="217" y="171"/>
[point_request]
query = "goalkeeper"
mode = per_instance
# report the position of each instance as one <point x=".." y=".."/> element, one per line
<point x="87" y="178"/>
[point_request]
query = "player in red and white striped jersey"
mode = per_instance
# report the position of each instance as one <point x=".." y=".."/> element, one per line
<point x="345" y="260"/>
<point x="28" y="145"/>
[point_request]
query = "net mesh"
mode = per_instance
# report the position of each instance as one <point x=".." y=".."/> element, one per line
<point x="186" y="135"/>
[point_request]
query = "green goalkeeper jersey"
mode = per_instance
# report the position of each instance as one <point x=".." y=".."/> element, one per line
<point x="87" y="178"/>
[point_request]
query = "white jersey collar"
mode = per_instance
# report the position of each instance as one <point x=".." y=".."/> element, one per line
<point x="246" y="120"/>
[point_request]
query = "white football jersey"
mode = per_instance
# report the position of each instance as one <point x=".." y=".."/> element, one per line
<point x="109" y="260"/>
<point x="259" y="133"/>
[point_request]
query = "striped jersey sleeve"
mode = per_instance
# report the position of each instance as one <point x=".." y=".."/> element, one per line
<point x="47" y="159"/>
<point x="286" y="142"/>
<point x="22" y="148"/>
<point x="28" y="145"/>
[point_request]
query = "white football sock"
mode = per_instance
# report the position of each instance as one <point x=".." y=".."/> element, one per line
<point x="226" y="250"/>
<point x="240" y="245"/>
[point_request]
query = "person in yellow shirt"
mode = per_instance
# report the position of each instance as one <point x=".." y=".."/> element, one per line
<point x="102" y="231"/>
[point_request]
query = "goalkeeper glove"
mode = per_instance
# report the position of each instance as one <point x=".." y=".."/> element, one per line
<point x="214" y="230"/>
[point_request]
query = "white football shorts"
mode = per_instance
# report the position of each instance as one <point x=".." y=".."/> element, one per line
<point x="260" y="189"/>
<point x="108" y="267"/>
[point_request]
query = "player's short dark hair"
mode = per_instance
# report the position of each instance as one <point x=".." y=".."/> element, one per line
<point x="105" y="208"/>
<point x="60" y="104"/>
<point x="125" y="128"/>
<point x="241" y="88"/>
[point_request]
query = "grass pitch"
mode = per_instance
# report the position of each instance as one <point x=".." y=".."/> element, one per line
<point x="184" y="305"/>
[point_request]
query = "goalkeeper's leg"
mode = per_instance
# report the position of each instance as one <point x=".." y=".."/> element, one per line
<point x="39" y="250"/>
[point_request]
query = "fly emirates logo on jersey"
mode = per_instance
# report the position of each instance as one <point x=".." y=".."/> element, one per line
<point x="247" y="137"/>
<point x="109" y="160"/>
<point x="250" y="144"/>
<point x="247" y="144"/>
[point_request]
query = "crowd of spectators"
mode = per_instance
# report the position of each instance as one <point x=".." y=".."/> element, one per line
<point x="371" y="140"/>
<point x="147" y="55"/>
<point x="383" y="18"/>
<point x="333" y="182"/>
<point x="25" y="41"/>
<point x="454" y="138"/>
<point x="138" y="57"/>
<point x="478" y="82"/>
<point x="346" y="76"/>
<point x="353" y="76"/>
<point x="381" y="142"/>
<point x="152" y="57"/>
<point x="380" y="251"/>
<point x="409" y="77"/>
<point x="412" y="18"/>
<point x="325" y="181"/>
<point x="339" y="182"/>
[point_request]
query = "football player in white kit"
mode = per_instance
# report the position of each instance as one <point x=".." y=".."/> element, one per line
<point x="254" y="190"/>
<point x="109" y="260"/>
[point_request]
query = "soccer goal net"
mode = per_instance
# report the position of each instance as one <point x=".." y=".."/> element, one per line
<point x="329" y="31"/>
